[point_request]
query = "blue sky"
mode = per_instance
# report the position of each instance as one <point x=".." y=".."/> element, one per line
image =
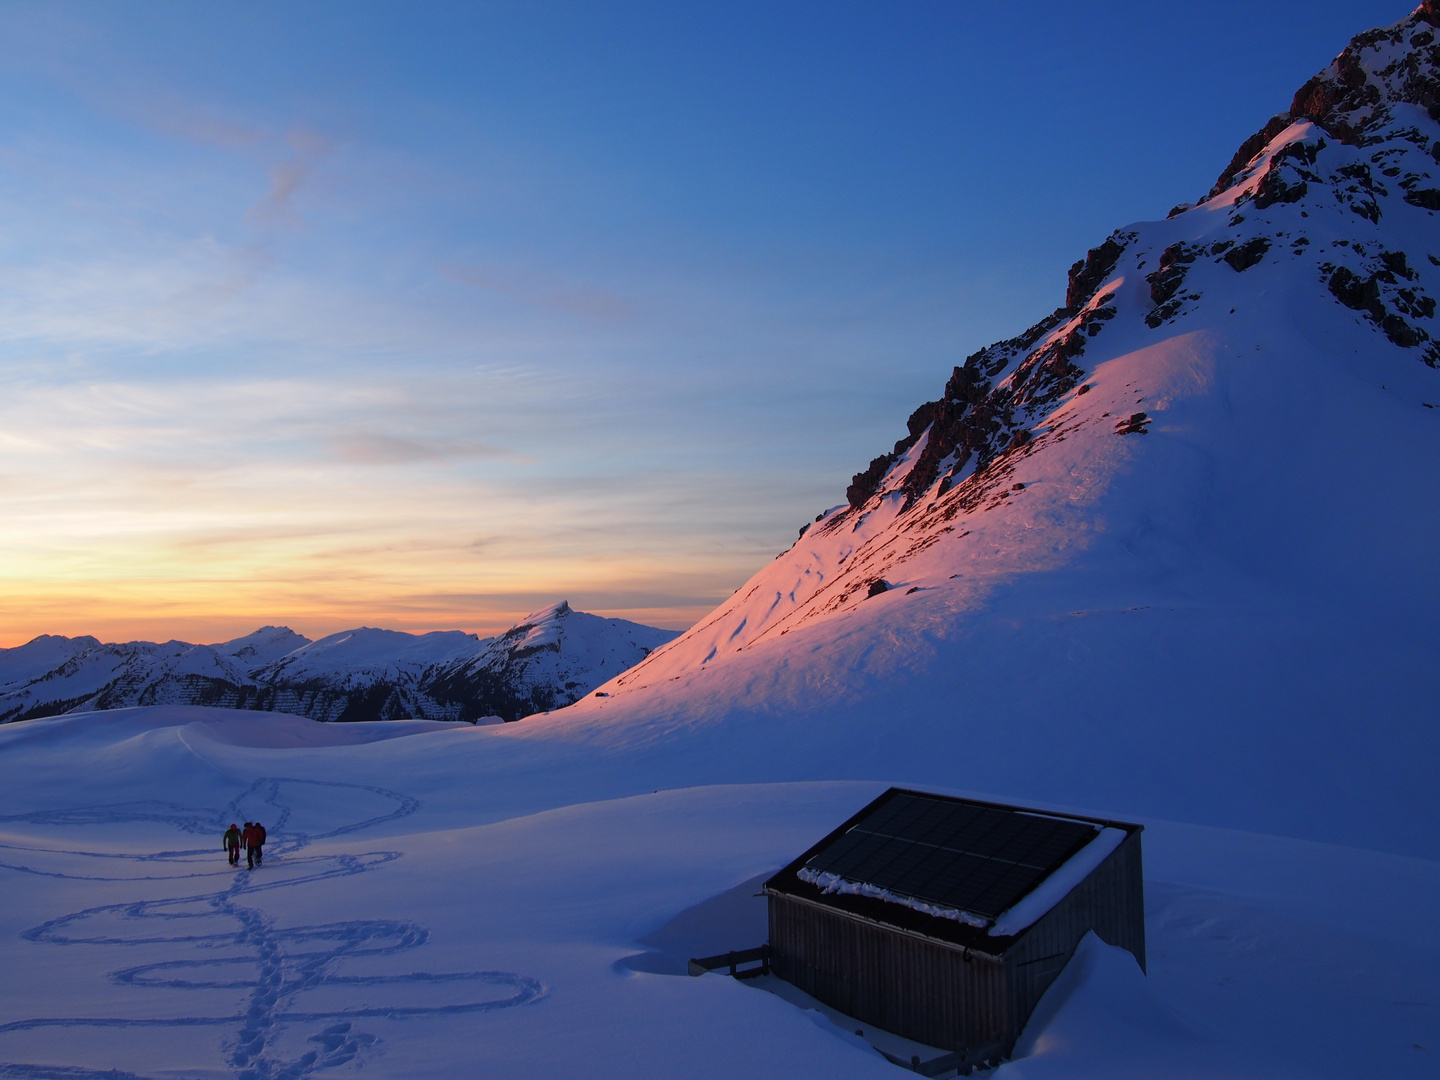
<point x="423" y="316"/>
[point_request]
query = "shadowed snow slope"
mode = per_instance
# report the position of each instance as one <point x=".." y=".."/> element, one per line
<point x="1170" y="550"/>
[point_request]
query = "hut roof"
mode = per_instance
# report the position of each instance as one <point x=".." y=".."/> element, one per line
<point x="972" y="873"/>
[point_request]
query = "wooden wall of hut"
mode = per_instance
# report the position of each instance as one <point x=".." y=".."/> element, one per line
<point x="925" y="990"/>
<point x="1110" y="901"/>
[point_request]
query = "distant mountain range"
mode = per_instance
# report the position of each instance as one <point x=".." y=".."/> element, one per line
<point x="550" y="659"/>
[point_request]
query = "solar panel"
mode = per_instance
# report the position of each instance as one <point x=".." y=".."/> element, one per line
<point x="979" y="859"/>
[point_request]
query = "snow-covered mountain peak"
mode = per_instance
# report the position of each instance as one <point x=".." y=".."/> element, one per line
<point x="549" y="613"/>
<point x="366" y="651"/>
<point x="1212" y="381"/>
<point x="538" y="630"/>
<point x="263" y="646"/>
<point x="40" y="655"/>
<point x="556" y="647"/>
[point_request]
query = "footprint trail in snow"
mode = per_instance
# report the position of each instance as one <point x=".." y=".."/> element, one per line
<point x="279" y="980"/>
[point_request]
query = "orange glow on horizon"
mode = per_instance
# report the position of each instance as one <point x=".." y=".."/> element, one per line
<point x="210" y="611"/>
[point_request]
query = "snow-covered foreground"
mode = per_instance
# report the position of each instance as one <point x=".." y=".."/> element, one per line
<point x="454" y="901"/>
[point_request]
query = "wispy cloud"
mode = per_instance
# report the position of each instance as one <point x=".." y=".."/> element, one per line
<point x="579" y="300"/>
<point x="286" y="177"/>
<point x="373" y="448"/>
<point x="168" y="114"/>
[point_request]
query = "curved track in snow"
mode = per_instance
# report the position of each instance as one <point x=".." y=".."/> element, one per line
<point x="221" y="942"/>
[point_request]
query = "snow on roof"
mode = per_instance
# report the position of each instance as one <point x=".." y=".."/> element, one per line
<point x="832" y="884"/>
<point x="1058" y="885"/>
<point x="1021" y="916"/>
<point x="983" y="868"/>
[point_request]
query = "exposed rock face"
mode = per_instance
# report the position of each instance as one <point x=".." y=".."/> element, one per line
<point x="1089" y="273"/>
<point x="1354" y="98"/>
<point x="551" y="659"/>
<point x="991" y="403"/>
<point x="973" y="422"/>
<point x="1248" y="149"/>
<point x="1386" y="300"/>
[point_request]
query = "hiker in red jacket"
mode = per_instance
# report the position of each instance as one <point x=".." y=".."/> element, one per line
<point x="254" y="839"/>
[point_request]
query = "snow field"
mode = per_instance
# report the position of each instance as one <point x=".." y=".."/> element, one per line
<point x="389" y="933"/>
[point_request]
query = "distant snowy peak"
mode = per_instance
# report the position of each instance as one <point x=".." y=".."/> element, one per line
<point x="559" y="629"/>
<point x="39" y="657"/>
<point x="541" y="629"/>
<point x="352" y="657"/>
<point x="551" y="658"/>
<point x="1320" y="245"/>
<point x="264" y="646"/>
<point x="548" y="660"/>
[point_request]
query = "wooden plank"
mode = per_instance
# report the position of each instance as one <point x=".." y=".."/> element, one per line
<point x="700" y="965"/>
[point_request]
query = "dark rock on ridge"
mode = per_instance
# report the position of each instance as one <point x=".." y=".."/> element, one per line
<point x="973" y="421"/>
<point x="992" y="401"/>
<point x="1346" y="102"/>
<point x="1089" y="273"/>
<point x="1247" y="254"/>
<point x="1248" y="149"/>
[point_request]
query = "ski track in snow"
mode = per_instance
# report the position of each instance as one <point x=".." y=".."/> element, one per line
<point x="289" y="961"/>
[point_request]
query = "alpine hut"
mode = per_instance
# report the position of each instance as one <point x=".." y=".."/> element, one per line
<point x="944" y="920"/>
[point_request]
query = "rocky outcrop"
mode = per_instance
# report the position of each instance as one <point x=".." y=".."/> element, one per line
<point x="1248" y="149"/>
<point x="974" y="421"/>
<point x="1360" y="150"/>
<point x="1388" y="297"/>
<point x="1089" y="273"/>
<point x="1355" y="96"/>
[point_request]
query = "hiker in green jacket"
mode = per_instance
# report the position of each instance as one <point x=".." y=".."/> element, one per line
<point x="231" y="843"/>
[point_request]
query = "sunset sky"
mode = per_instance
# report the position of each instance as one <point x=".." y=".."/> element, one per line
<point x="423" y="316"/>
